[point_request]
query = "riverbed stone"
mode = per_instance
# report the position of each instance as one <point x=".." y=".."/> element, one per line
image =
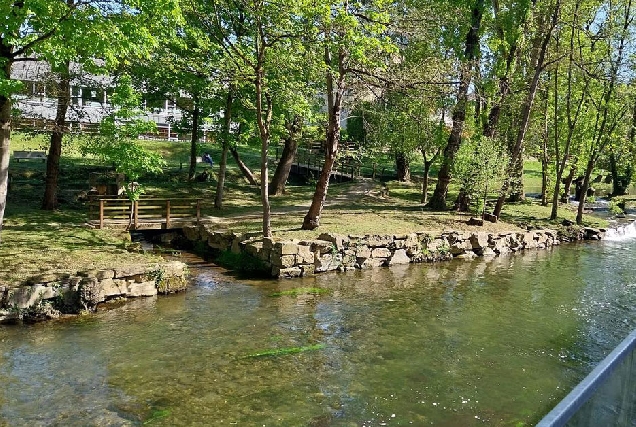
<point x="28" y="296"/>
<point x="376" y="241"/>
<point x="305" y="255"/>
<point x="128" y="271"/>
<point x="363" y="251"/>
<point x="479" y="240"/>
<point x="286" y="273"/>
<point x="468" y="255"/>
<point x="192" y="232"/>
<point x="254" y="248"/>
<point x="307" y="269"/>
<point x="380" y="253"/>
<point x="488" y="252"/>
<point x="339" y="240"/>
<point x="283" y="261"/>
<point x="319" y="247"/>
<point x="143" y="289"/>
<point x="111" y="289"/>
<point x="399" y="257"/>
<point x="326" y="262"/>
<point x="364" y="263"/>
<point x="285" y="248"/>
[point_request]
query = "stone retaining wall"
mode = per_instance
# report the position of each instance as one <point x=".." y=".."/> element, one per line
<point x="329" y="252"/>
<point x="51" y="295"/>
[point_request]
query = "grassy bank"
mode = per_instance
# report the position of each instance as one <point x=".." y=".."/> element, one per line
<point x="35" y="241"/>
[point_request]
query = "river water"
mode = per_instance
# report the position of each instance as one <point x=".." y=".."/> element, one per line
<point x="465" y="343"/>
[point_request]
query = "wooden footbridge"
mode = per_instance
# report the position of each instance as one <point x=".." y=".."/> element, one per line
<point x="145" y="213"/>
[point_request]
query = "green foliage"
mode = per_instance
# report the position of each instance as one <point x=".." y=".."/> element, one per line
<point x="479" y="167"/>
<point x="617" y="207"/>
<point x="117" y="145"/>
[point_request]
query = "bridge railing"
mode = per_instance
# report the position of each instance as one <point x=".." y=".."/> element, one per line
<point x="157" y="210"/>
<point x="606" y="397"/>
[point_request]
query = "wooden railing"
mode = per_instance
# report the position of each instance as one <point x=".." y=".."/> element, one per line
<point x="145" y="210"/>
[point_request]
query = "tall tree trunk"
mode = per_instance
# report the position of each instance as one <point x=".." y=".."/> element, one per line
<point x="438" y="199"/>
<point x="403" y="167"/>
<point x="196" y="112"/>
<point x="245" y="170"/>
<point x="526" y="108"/>
<point x="5" y="133"/>
<point x="225" y="144"/>
<point x="294" y="129"/>
<point x="517" y="192"/>
<point x="335" y="93"/>
<point x="55" y="148"/>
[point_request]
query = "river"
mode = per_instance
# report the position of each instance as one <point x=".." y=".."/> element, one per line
<point x="466" y="343"/>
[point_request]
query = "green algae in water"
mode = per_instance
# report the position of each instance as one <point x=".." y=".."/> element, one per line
<point x="285" y="351"/>
<point x="300" y="291"/>
<point x="156" y="415"/>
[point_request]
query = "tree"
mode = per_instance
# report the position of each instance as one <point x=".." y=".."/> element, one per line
<point x="117" y="142"/>
<point x="352" y="38"/>
<point x="546" y="21"/>
<point x="468" y="62"/>
<point x="57" y="31"/>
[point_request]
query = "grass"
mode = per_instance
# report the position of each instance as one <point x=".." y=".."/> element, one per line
<point x="34" y="241"/>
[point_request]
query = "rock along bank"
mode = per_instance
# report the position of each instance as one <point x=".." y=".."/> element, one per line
<point x="329" y="252"/>
<point x="51" y="295"/>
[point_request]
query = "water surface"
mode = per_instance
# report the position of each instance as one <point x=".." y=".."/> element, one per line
<point x="466" y="343"/>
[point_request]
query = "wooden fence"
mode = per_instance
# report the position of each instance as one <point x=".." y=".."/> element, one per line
<point x="146" y="212"/>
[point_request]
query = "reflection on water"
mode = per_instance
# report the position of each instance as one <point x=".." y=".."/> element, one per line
<point x="486" y="342"/>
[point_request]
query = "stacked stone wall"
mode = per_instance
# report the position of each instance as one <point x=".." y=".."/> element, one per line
<point x="51" y="295"/>
<point x="296" y="258"/>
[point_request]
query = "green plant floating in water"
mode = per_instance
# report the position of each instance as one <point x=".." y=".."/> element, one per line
<point x="285" y="351"/>
<point x="300" y="291"/>
<point x="156" y="415"/>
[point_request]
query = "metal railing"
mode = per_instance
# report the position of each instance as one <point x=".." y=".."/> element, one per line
<point x="606" y="397"/>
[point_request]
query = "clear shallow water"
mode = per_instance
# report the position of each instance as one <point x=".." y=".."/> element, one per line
<point x="488" y="342"/>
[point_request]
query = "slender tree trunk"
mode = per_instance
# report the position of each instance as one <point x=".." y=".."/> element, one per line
<point x="526" y="108"/>
<point x="5" y="133"/>
<point x="427" y="169"/>
<point x="227" y="123"/>
<point x="335" y="93"/>
<point x="567" y="185"/>
<point x="403" y="167"/>
<point x="264" y="120"/>
<point x="585" y="186"/>
<point x="55" y="147"/>
<point x="545" y="161"/>
<point x="245" y="170"/>
<point x="195" y="138"/>
<point x="438" y="199"/>
<point x="277" y="186"/>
